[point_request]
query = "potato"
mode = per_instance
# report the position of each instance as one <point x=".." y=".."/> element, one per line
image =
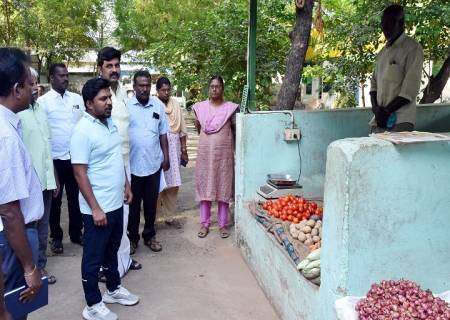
<point x="301" y="224"/>
<point x="318" y="223"/>
<point x="301" y="236"/>
<point x="295" y="234"/>
<point x="315" y="232"/>
<point x="316" y="239"/>
<point x="308" y="242"/>
<point x="306" y="229"/>
<point x="311" y="223"/>
<point x="308" y="236"/>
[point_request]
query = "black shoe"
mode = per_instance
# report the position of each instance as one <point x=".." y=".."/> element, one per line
<point x="78" y="240"/>
<point x="133" y="247"/>
<point x="57" y="246"/>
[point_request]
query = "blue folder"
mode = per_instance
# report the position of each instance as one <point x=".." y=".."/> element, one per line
<point x="17" y="309"/>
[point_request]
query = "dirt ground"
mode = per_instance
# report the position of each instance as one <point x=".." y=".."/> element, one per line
<point x="190" y="278"/>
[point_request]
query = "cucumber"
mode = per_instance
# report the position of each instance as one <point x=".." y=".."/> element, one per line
<point x="315" y="255"/>
<point x="303" y="264"/>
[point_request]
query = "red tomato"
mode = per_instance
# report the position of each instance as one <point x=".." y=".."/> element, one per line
<point x="295" y="220"/>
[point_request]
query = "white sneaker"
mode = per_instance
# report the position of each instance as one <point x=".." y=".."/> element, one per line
<point x="121" y="296"/>
<point x="98" y="312"/>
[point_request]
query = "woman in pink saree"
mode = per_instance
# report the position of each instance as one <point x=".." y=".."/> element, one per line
<point x="214" y="171"/>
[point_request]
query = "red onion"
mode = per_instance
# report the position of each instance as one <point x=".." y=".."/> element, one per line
<point x="402" y="300"/>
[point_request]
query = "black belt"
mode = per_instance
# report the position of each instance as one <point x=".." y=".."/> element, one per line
<point x="31" y="225"/>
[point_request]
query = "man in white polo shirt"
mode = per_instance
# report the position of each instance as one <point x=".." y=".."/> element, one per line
<point x="64" y="109"/>
<point x="96" y="156"/>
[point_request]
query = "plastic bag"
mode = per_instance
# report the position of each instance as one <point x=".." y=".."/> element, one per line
<point x="345" y="307"/>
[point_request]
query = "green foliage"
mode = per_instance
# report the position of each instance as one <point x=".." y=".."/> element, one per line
<point x="54" y="30"/>
<point x="197" y="39"/>
<point x="352" y="28"/>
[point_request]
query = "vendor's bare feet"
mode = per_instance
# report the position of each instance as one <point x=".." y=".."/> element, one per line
<point x="224" y="233"/>
<point x="203" y="232"/>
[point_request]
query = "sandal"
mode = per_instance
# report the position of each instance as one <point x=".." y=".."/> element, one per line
<point x="135" y="265"/>
<point x="154" y="245"/>
<point x="203" y="232"/>
<point x="50" y="278"/>
<point x="174" y="223"/>
<point x="224" y="233"/>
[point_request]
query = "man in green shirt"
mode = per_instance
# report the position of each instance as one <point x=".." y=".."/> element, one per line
<point x="37" y="139"/>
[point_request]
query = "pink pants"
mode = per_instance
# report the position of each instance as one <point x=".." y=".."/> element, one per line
<point x="205" y="213"/>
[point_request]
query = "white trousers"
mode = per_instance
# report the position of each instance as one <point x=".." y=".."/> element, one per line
<point x="123" y="255"/>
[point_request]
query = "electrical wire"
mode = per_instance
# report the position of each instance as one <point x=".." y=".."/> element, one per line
<point x="300" y="161"/>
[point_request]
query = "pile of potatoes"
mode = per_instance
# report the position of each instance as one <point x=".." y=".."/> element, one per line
<point x="309" y="232"/>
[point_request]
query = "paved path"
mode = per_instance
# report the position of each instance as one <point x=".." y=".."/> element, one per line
<point x="192" y="278"/>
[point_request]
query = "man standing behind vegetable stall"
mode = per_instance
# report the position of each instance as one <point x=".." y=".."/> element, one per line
<point x="396" y="78"/>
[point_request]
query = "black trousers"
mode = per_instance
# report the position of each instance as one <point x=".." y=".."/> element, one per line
<point x="100" y="250"/>
<point x="67" y="181"/>
<point x="144" y="189"/>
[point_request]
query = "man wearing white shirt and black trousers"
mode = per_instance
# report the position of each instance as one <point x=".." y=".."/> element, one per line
<point x="64" y="109"/>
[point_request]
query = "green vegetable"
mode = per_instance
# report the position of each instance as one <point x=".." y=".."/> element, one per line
<point x="315" y="255"/>
<point x="312" y="265"/>
<point x="303" y="264"/>
<point x="311" y="274"/>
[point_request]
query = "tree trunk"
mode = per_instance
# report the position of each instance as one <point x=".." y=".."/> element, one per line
<point x="6" y="7"/>
<point x="436" y="84"/>
<point x="294" y="66"/>
<point x="363" y="93"/>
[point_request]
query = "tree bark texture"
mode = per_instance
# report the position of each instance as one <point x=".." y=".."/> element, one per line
<point x="296" y="58"/>
<point x="436" y="84"/>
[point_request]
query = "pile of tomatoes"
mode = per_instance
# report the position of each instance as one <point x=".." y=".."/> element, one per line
<point x="291" y="208"/>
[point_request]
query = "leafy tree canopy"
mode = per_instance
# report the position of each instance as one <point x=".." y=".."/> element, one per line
<point x="192" y="41"/>
<point x="54" y="30"/>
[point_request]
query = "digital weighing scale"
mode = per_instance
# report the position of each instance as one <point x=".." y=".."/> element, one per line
<point x="278" y="186"/>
